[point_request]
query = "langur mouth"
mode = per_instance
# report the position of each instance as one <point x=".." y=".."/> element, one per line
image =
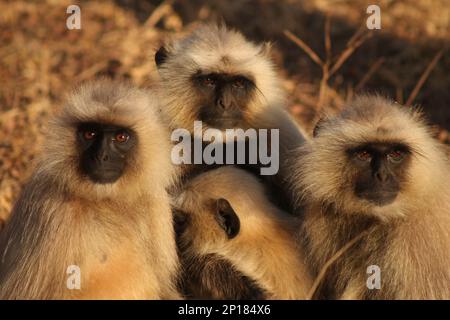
<point x="104" y="176"/>
<point x="220" y="120"/>
<point x="223" y="123"/>
<point x="379" y="199"/>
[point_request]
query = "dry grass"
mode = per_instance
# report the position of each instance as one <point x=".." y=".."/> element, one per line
<point x="325" y="57"/>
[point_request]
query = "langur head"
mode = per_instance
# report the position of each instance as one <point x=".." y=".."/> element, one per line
<point x="376" y="157"/>
<point x="219" y="207"/>
<point x="107" y="141"/>
<point x="217" y="76"/>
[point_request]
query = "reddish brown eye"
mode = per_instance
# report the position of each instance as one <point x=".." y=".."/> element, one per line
<point x="89" y="134"/>
<point x="239" y="83"/>
<point x="363" y="155"/>
<point x="396" y="156"/>
<point x="209" y="81"/>
<point x="122" y="137"/>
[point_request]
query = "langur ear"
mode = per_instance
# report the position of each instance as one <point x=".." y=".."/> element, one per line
<point x="227" y="218"/>
<point x="180" y="220"/>
<point x="318" y="126"/>
<point x="161" y="56"/>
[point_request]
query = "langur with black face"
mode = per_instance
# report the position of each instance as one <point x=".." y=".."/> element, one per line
<point x="216" y="76"/>
<point x="375" y="172"/>
<point x="234" y="243"/>
<point x="96" y="205"/>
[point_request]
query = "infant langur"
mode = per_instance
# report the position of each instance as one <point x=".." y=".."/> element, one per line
<point x="230" y="226"/>
<point x="376" y="171"/>
<point x="96" y="205"/>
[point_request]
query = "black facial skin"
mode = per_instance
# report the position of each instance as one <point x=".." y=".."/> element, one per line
<point x="104" y="151"/>
<point x="223" y="98"/>
<point x="227" y="218"/>
<point x="381" y="170"/>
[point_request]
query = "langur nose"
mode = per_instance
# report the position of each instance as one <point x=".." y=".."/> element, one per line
<point x="102" y="157"/>
<point x="381" y="175"/>
<point x="223" y="103"/>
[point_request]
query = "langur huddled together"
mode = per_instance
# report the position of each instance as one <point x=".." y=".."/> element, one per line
<point x="216" y="76"/>
<point x="109" y="213"/>
<point x="96" y="204"/>
<point x="230" y="230"/>
<point x="375" y="172"/>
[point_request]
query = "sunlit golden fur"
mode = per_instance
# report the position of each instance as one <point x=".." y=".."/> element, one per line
<point x="120" y="234"/>
<point x="121" y="105"/>
<point x="408" y="239"/>
<point x="372" y="119"/>
<point x="213" y="48"/>
<point x="264" y="250"/>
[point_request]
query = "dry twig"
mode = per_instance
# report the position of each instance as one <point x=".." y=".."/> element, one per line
<point x="348" y="52"/>
<point x="329" y="68"/>
<point x="369" y="73"/>
<point x="310" y="52"/>
<point x="333" y="259"/>
<point x="424" y="77"/>
<point x="157" y="14"/>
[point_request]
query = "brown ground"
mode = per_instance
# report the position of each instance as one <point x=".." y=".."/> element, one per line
<point x="40" y="59"/>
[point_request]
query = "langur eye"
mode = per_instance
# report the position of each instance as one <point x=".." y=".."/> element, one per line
<point x="363" y="155"/>
<point x="396" y="156"/>
<point x="122" y="137"/>
<point x="89" y="134"/>
<point x="239" y="83"/>
<point x="209" y="81"/>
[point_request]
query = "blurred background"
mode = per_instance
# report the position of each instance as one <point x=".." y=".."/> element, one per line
<point x="323" y="49"/>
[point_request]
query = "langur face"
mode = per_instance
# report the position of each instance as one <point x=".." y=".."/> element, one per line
<point x="380" y="170"/>
<point x="104" y="150"/>
<point x="222" y="98"/>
